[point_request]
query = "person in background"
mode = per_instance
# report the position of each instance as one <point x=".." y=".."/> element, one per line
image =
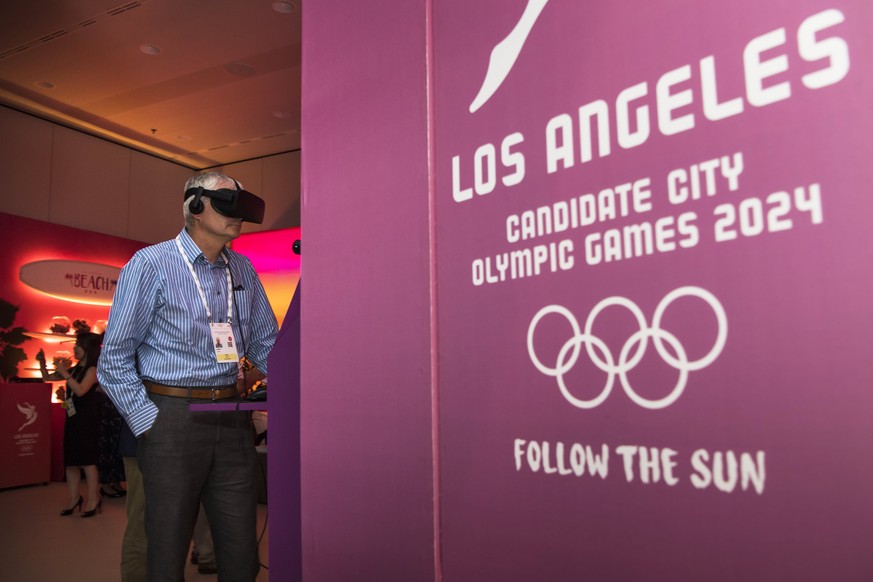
<point x="82" y="427"/>
<point x="111" y="466"/>
<point x="134" y="543"/>
<point x="202" y="548"/>
<point x="171" y="302"/>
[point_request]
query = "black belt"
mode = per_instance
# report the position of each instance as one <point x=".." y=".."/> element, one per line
<point x="202" y="393"/>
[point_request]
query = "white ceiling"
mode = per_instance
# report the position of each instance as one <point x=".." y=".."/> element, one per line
<point x="224" y="88"/>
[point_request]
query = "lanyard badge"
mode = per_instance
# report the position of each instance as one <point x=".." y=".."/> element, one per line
<point x="223" y="340"/>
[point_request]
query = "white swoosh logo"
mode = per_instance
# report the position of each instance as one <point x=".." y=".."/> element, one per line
<point x="505" y="52"/>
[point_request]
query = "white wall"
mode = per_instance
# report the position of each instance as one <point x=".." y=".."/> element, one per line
<point x="55" y="174"/>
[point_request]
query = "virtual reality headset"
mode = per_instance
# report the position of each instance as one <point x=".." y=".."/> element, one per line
<point x="237" y="203"/>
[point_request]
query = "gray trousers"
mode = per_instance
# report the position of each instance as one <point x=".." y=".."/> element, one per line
<point x="193" y="457"/>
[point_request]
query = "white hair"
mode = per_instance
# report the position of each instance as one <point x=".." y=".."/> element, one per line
<point x="207" y="181"/>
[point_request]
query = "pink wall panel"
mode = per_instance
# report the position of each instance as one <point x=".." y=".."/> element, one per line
<point x="675" y="385"/>
<point x="365" y="386"/>
<point x="650" y="345"/>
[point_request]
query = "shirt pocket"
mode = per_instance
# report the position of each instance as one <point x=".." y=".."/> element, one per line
<point x="242" y="299"/>
<point x="181" y="318"/>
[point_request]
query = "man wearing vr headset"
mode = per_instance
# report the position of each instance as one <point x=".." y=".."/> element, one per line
<point x="176" y="306"/>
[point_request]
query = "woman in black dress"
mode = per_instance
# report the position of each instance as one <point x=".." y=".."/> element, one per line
<point x="82" y="426"/>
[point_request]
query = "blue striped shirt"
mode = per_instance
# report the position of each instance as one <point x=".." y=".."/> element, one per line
<point x="158" y="329"/>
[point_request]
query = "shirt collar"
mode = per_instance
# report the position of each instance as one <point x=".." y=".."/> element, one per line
<point x="193" y="252"/>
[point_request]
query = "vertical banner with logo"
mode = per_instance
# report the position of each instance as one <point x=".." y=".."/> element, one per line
<point x="654" y="289"/>
<point x="25" y="434"/>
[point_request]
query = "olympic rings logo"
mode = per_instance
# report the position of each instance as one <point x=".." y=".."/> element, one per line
<point x="569" y="353"/>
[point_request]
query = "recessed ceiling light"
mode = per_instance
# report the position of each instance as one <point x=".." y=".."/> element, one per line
<point x="150" y="49"/>
<point x="45" y="84"/>
<point x="283" y="7"/>
<point x="183" y="137"/>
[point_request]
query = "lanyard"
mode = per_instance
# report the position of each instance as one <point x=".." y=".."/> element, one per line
<point x="200" y="289"/>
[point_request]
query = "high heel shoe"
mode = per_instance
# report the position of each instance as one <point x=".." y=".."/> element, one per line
<point x="95" y="511"/>
<point x="77" y="505"/>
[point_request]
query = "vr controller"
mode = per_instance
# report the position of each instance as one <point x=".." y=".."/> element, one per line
<point x="237" y="203"/>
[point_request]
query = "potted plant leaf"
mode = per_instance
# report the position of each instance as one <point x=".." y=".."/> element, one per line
<point x="10" y="338"/>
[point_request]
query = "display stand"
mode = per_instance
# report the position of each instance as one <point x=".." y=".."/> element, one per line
<point x="25" y="434"/>
<point x="283" y="469"/>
